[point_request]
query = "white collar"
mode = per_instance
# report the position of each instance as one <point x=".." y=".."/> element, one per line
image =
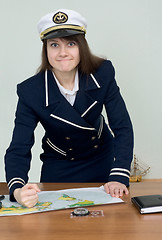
<point x="67" y="91"/>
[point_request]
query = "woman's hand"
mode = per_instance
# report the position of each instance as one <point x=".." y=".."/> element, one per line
<point x="116" y="189"/>
<point x="27" y="195"/>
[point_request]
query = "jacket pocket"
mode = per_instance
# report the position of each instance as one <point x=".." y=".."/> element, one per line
<point x="55" y="147"/>
<point x="101" y="127"/>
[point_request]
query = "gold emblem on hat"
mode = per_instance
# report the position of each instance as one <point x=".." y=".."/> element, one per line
<point x="60" y="17"/>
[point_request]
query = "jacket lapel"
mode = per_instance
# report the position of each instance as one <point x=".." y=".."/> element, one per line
<point x="84" y="102"/>
<point x="62" y="109"/>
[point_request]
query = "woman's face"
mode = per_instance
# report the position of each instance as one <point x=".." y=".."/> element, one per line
<point x="63" y="55"/>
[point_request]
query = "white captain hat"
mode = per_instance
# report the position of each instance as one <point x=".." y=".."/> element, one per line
<point x="61" y="23"/>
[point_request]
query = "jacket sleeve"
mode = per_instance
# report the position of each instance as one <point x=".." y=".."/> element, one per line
<point x="18" y="155"/>
<point x="121" y="126"/>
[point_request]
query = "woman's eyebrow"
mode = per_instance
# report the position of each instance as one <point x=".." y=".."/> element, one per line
<point x="52" y="40"/>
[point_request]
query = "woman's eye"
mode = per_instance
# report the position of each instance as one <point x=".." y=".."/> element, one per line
<point x="54" y="44"/>
<point x="71" y="44"/>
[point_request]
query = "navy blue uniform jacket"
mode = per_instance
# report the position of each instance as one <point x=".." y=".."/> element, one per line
<point x="78" y="146"/>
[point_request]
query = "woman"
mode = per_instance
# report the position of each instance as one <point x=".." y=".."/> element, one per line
<point x="67" y="97"/>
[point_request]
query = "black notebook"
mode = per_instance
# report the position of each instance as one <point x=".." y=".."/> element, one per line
<point x="148" y="203"/>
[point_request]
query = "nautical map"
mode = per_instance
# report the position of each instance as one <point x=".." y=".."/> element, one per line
<point x="62" y="199"/>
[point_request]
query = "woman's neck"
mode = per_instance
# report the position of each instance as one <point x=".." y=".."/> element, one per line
<point x="66" y="79"/>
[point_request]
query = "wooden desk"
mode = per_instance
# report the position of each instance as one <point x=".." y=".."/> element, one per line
<point x="120" y="221"/>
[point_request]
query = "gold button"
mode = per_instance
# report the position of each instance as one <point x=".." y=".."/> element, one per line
<point x="93" y="138"/>
<point x="72" y="159"/>
<point x="95" y="146"/>
<point x="70" y="149"/>
<point x="67" y="138"/>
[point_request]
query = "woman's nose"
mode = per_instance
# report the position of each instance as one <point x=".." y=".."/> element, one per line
<point x="63" y="51"/>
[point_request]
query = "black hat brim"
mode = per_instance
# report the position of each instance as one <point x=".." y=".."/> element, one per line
<point x="61" y="33"/>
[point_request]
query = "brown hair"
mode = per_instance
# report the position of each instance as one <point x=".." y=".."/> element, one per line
<point x="88" y="62"/>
